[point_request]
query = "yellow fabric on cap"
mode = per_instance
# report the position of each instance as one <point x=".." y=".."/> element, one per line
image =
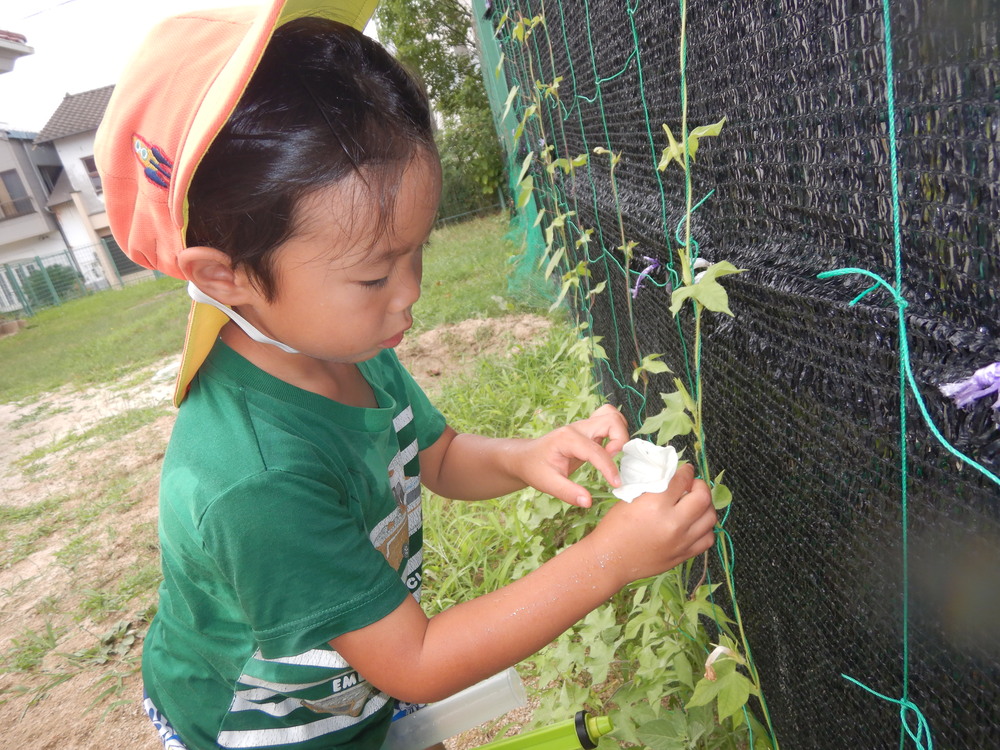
<point x="204" y="324"/>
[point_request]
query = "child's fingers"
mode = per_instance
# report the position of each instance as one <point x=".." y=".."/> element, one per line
<point x="566" y="490"/>
<point x="587" y="450"/>
<point x="607" y="424"/>
<point x="681" y="482"/>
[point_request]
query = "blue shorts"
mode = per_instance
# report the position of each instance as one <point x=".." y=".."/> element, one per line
<point x="168" y="736"/>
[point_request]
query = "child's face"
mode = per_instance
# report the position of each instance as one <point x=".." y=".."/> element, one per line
<point x="339" y="297"/>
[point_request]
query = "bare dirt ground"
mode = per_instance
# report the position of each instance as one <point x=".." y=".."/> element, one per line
<point x="78" y="550"/>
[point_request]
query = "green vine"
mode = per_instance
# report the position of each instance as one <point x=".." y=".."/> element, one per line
<point x="649" y="653"/>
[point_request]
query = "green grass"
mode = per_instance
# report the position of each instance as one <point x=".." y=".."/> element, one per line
<point x="465" y="274"/>
<point x="95" y="339"/>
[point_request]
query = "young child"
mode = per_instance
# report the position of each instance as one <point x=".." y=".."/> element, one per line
<point x="284" y="165"/>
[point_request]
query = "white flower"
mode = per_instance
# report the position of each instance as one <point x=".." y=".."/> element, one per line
<point x="700" y="263"/>
<point x="645" y="467"/>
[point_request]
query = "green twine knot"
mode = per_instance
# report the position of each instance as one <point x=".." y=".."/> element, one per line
<point x="904" y="353"/>
<point x="922" y="737"/>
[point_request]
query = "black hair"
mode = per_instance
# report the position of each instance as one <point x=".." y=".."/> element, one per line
<point x="325" y="103"/>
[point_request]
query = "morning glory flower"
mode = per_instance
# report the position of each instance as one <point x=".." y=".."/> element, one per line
<point x="700" y="264"/>
<point x="982" y="382"/>
<point x="645" y="467"/>
<point x="653" y="265"/>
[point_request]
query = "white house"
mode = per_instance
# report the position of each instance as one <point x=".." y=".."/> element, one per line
<point x="77" y="198"/>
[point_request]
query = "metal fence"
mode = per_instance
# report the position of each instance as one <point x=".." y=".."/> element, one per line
<point x="29" y="285"/>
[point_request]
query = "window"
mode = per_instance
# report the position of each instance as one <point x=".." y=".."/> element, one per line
<point x="14" y="199"/>
<point x="123" y="264"/>
<point x="95" y="178"/>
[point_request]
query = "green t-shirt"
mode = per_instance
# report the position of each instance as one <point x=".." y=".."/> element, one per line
<point x="286" y="519"/>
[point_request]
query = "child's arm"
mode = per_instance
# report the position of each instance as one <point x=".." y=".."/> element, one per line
<point x="417" y="659"/>
<point x="472" y="467"/>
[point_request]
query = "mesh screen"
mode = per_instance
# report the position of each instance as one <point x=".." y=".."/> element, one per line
<point x="801" y="389"/>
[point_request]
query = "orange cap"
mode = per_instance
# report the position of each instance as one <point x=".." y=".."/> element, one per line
<point x="166" y="110"/>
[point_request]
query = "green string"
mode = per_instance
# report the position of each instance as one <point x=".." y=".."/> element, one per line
<point x="922" y="738"/>
<point x="923" y="728"/>
<point x="910" y="378"/>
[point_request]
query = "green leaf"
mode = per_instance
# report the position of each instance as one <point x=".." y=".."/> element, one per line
<point x="675" y="151"/>
<point x="722" y="268"/>
<point x="651" y="364"/>
<point x="677" y="298"/>
<point x="712" y="295"/>
<point x="686" y="399"/>
<point x="496" y="74"/>
<point x="599" y="352"/>
<point x="527" y="185"/>
<point x="672" y="421"/>
<point x="708" y="292"/>
<point x="704" y="692"/>
<point x="554" y="261"/>
<point x="597" y="289"/>
<point x="580" y="160"/>
<point x="721" y="496"/>
<point x="519" y="130"/>
<point x="672" y="152"/>
<point x="701" y="132"/>
<point x="665" y="734"/>
<point x="683" y="672"/>
<point x="525" y="165"/>
<point x="562" y="164"/>
<point x="733" y="694"/>
<point x="510" y="98"/>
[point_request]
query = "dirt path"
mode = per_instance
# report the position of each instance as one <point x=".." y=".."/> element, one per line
<point x="78" y="550"/>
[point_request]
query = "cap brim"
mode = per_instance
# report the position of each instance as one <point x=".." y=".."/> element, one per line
<point x="204" y="324"/>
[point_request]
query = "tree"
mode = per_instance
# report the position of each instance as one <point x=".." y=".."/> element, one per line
<point x="435" y="39"/>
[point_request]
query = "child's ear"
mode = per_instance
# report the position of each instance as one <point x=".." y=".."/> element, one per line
<point x="212" y="271"/>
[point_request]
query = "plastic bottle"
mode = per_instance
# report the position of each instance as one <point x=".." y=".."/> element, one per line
<point x="583" y="731"/>
<point x="473" y="706"/>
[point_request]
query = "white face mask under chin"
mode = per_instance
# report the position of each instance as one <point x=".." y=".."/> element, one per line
<point x="199" y="296"/>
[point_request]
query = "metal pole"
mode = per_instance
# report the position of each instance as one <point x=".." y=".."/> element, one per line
<point x="25" y="305"/>
<point x="48" y="282"/>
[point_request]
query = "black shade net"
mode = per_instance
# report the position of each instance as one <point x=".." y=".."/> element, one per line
<point x="802" y="389"/>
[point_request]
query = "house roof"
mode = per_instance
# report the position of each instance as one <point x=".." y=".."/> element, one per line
<point x="77" y="113"/>
<point x="13" y="36"/>
<point x="20" y="135"/>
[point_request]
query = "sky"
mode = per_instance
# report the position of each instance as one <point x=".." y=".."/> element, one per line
<point x="79" y="45"/>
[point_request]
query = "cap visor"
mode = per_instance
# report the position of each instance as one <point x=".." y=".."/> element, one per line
<point x="204" y="324"/>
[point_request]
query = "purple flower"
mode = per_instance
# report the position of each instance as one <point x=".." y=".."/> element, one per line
<point x="653" y="265"/>
<point x="982" y="383"/>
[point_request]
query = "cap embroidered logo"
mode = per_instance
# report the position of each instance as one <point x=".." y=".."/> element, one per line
<point x="156" y="166"/>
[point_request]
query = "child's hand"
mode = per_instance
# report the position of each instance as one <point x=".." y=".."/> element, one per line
<point x="657" y="531"/>
<point x="547" y="462"/>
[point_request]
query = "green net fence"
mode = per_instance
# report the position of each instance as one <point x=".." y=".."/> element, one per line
<point x="855" y="179"/>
